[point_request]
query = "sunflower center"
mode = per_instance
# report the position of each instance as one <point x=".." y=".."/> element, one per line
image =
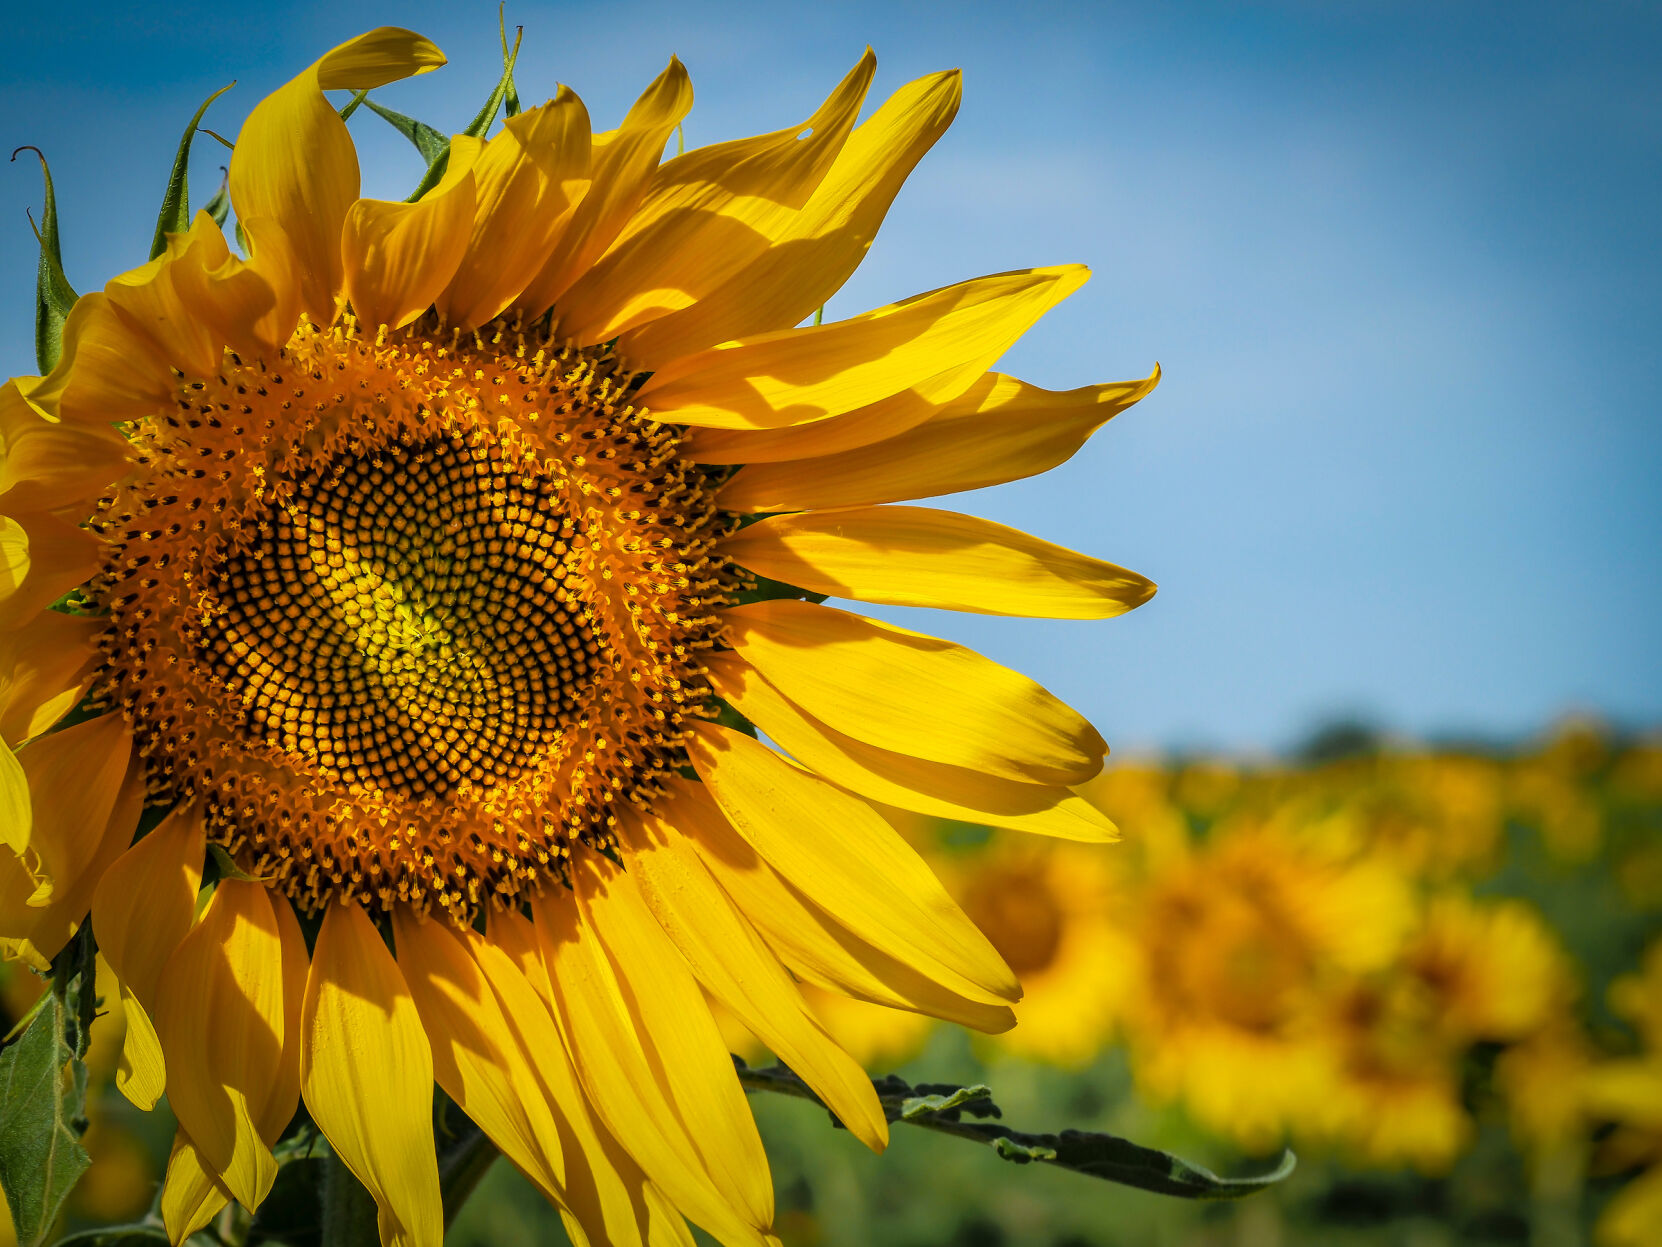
<point x="411" y="621"/>
<point x="1021" y="915"/>
<point x="411" y="613"/>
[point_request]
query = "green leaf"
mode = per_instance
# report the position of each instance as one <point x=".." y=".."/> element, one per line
<point x="174" y="217"/>
<point x="54" y="296"/>
<point x="1022" y="1153"/>
<point x="1105" y="1156"/>
<point x="1131" y="1164"/>
<point x="118" y="1236"/>
<point x="428" y="141"/>
<point x="41" y="1157"/>
<point x="75" y="980"/>
<point x="916" y="1106"/>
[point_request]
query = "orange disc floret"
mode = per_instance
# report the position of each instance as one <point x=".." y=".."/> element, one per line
<point x="412" y="611"/>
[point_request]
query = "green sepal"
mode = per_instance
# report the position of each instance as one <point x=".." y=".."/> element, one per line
<point x="54" y="296"/>
<point x="41" y="1157"/>
<point x="482" y="119"/>
<point x="227" y="867"/>
<point x="219" y="207"/>
<point x="174" y="218"/>
<point x="428" y="141"/>
<point x="510" y="97"/>
<point x="767" y="590"/>
<point x="351" y="106"/>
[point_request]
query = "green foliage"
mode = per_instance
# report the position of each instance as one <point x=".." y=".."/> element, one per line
<point x="54" y="296"/>
<point x="118" y="1236"/>
<point x="42" y="1098"/>
<point x="431" y="143"/>
<point x="174" y="218"/>
<point x="915" y="1107"/>
<point x="1113" y="1159"/>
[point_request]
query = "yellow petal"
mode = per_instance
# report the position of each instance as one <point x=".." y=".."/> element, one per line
<point x="86" y="799"/>
<point x="191" y="1194"/>
<point x="593" y="1006"/>
<point x="42" y="557"/>
<point x="621" y="166"/>
<point x="398" y="257"/>
<point x="918" y="556"/>
<point x="282" y="1096"/>
<point x="15" y="816"/>
<point x="605" y="1189"/>
<point x="477" y="1057"/>
<point x="908" y="783"/>
<point x="795" y="376"/>
<point x="179" y="311"/>
<point x="294" y="172"/>
<point x="52" y="658"/>
<point x="736" y="967"/>
<point x="875" y="422"/>
<point x="1000" y="429"/>
<point x="844" y="857"/>
<point x="806" y="256"/>
<point x="47" y="466"/>
<point x="14" y="557"/>
<point x="529" y="178"/>
<point x="366" y="1072"/>
<point x="914" y="694"/>
<point x="220" y="1018"/>
<point x="142" y="1074"/>
<point x="708" y="215"/>
<point x="109" y="371"/>
<point x="682" y="1043"/>
<point x="806" y="938"/>
<point x="153" y="300"/>
<point x="143" y="907"/>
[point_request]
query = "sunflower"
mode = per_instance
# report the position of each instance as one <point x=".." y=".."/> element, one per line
<point x="1239" y="948"/>
<point x="1627" y="1092"/>
<point x="1471" y="972"/>
<point x="1052" y="910"/>
<point x="419" y="582"/>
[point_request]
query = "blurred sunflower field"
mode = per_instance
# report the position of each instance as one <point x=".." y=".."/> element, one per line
<point x="1436" y="974"/>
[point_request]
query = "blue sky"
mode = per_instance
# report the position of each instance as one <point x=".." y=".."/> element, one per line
<point x="1400" y="263"/>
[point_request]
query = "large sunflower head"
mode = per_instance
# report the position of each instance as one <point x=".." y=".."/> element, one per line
<point x="435" y="574"/>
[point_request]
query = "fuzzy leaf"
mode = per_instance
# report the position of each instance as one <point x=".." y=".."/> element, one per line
<point x="41" y="1157"/>
<point x="54" y="296"/>
<point x="174" y="217"/>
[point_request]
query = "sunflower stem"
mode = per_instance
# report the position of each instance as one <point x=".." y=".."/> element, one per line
<point x="348" y="1209"/>
<point x="461" y="1169"/>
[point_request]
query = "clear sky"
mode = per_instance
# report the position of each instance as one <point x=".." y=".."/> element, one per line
<point x="1401" y="264"/>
